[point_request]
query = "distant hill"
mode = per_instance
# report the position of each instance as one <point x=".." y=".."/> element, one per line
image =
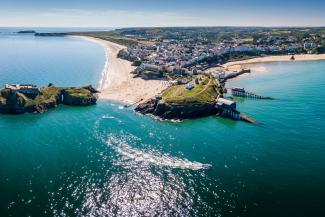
<point x="27" y="32"/>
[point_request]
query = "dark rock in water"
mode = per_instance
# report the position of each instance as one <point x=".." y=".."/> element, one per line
<point x="165" y="110"/>
<point x="27" y="32"/>
<point x="147" y="107"/>
<point x="50" y="34"/>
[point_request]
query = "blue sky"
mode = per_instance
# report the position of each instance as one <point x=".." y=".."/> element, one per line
<point x="128" y="13"/>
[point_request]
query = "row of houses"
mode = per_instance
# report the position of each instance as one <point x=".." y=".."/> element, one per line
<point x="185" y="56"/>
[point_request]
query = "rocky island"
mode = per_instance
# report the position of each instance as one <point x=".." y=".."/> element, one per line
<point x="19" y="98"/>
<point x="27" y="32"/>
<point x="185" y="101"/>
<point x="50" y="34"/>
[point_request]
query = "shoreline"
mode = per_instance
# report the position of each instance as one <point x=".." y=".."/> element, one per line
<point x="237" y="65"/>
<point x="117" y="82"/>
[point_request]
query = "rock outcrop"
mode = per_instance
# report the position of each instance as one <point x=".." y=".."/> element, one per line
<point x="78" y="97"/>
<point x="15" y="102"/>
<point x="50" y="34"/>
<point x="176" y="111"/>
<point x="27" y="32"/>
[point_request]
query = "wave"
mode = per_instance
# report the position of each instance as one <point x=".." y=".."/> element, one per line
<point x="104" y="76"/>
<point x="152" y="157"/>
<point x="108" y="117"/>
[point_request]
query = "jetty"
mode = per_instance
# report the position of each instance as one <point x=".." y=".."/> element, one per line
<point x="241" y="92"/>
<point x="247" y="118"/>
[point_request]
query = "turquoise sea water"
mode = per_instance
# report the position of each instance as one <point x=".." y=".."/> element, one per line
<point x="106" y="160"/>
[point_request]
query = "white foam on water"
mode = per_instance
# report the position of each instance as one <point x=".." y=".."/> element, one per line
<point x="104" y="81"/>
<point x="153" y="158"/>
<point x="108" y="117"/>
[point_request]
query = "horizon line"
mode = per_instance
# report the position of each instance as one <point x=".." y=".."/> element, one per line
<point x="176" y="26"/>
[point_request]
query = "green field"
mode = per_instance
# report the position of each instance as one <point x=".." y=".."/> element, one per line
<point x="205" y="92"/>
<point x="48" y="95"/>
<point x="112" y="37"/>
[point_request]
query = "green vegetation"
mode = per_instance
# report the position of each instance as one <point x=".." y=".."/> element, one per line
<point x="22" y="99"/>
<point x="204" y="92"/>
<point x="111" y="36"/>
<point x="78" y="92"/>
<point x="48" y="95"/>
<point x="206" y="35"/>
<point x="18" y="101"/>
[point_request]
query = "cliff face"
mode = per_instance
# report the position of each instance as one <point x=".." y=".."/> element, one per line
<point x="176" y="111"/>
<point x="14" y="102"/>
<point x="78" y="97"/>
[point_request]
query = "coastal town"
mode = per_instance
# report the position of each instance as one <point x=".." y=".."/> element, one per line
<point x="194" y="64"/>
<point x="170" y="53"/>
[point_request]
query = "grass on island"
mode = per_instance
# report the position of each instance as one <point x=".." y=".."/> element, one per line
<point x="48" y="95"/>
<point x="78" y="92"/>
<point x="205" y="92"/>
<point x="22" y="99"/>
<point x="19" y="99"/>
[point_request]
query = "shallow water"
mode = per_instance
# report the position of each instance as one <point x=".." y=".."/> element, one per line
<point x="107" y="160"/>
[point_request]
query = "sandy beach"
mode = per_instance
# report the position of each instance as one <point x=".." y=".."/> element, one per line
<point x="117" y="81"/>
<point x="250" y="63"/>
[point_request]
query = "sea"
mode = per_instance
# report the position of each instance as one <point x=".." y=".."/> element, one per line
<point x="106" y="160"/>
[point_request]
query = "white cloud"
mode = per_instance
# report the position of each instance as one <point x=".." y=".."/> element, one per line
<point x="104" y="18"/>
<point x="124" y="18"/>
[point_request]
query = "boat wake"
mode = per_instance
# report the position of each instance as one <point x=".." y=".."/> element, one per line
<point x="152" y="157"/>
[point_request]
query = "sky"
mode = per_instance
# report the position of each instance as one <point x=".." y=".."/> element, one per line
<point x="149" y="13"/>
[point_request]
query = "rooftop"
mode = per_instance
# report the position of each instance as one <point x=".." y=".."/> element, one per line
<point x="20" y="86"/>
<point x="225" y="101"/>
